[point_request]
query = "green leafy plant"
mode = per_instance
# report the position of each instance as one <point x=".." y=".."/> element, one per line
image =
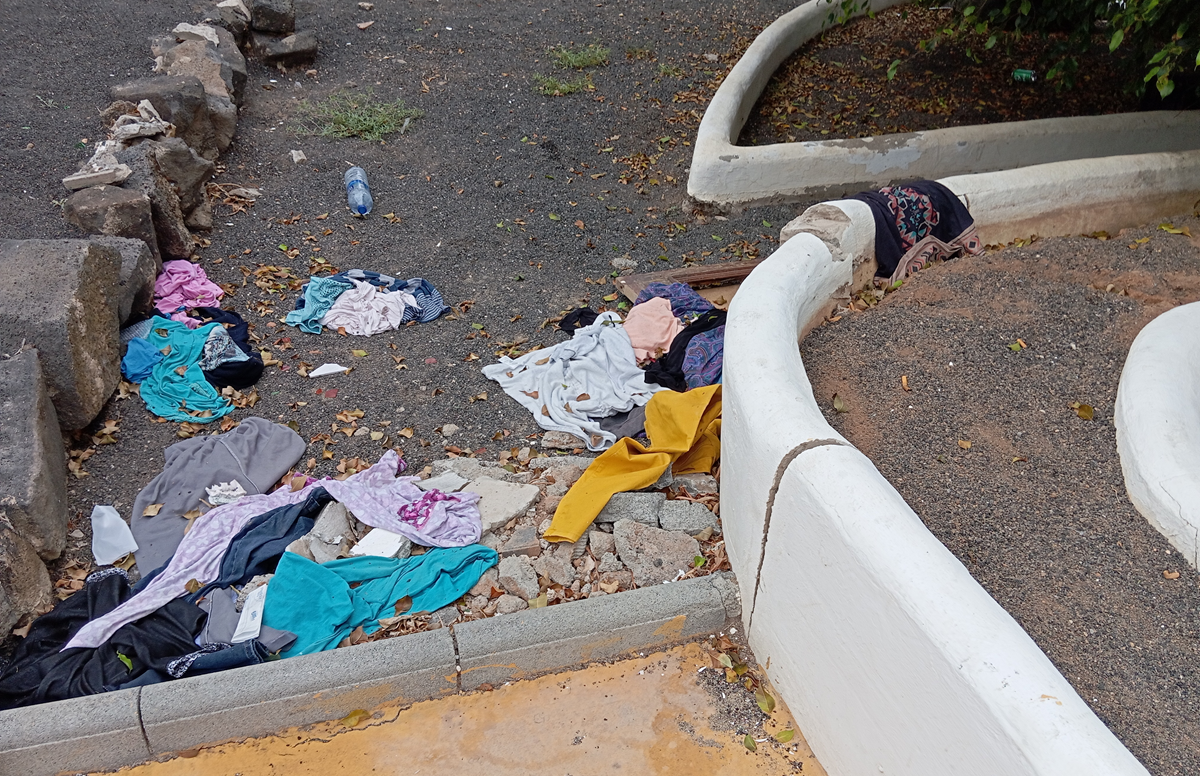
<point x="579" y="57"/>
<point x="558" y="87"/>
<point x="348" y="114"/>
<point x="1162" y="36"/>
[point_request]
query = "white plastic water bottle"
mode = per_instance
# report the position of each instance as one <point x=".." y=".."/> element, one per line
<point x="358" y="192"/>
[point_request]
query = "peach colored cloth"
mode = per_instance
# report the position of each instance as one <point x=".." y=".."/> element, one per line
<point x="651" y="327"/>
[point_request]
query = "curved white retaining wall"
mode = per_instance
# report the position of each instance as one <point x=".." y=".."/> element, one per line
<point x="1158" y="426"/>
<point x="725" y="173"/>
<point x="890" y="655"/>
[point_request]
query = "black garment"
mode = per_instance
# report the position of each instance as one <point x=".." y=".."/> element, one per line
<point x="222" y="658"/>
<point x="667" y="371"/>
<point x="235" y="374"/>
<point x="577" y="319"/>
<point x="626" y="424"/>
<point x="953" y="220"/>
<point x="39" y="672"/>
<point x="257" y="548"/>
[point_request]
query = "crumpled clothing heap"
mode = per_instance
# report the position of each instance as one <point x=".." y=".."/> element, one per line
<point x="365" y="310"/>
<point x="429" y="304"/>
<point x="686" y="304"/>
<point x="651" y="326"/>
<point x="183" y="285"/>
<point x="374" y="496"/>
<point x="417" y="300"/>
<point x="175" y="396"/>
<point x="569" y="386"/>
<point x="42" y="671"/>
<point x="319" y="296"/>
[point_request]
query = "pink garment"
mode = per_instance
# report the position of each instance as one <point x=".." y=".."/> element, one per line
<point x="375" y="496"/>
<point x="365" y="310"/>
<point x="183" y="285"/>
<point x="651" y="327"/>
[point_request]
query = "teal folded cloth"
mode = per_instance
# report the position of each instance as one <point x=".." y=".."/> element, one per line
<point x="316" y="602"/>
<point x="139" y="361"/>
<point x="175" y="396"/>
<point x="319" y="296"/>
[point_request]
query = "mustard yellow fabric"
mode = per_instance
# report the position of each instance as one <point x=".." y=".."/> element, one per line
<point x="684" y="430"/>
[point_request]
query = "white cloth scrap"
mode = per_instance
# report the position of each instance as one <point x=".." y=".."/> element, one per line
<point x="566" y="387"/>
<point x="224" y="492"/>
<point x="365" y="310"/>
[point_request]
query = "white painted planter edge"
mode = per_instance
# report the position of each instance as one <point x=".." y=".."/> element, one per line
<point x="892" y="658"/>
<point x="1158" y="426"/>
<point x="731" y="175"/>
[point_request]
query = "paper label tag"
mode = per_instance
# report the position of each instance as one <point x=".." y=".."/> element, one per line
<point x="250" y="623"/>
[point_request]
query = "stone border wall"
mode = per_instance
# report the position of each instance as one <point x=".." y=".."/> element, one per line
<point x="726" y="174"/>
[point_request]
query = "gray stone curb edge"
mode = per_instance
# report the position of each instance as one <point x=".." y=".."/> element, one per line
<point x="127" y="727"/>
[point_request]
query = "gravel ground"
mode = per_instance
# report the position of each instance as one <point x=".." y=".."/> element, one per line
<point x="506" y="200"/>
<point x="1036" y="507"/>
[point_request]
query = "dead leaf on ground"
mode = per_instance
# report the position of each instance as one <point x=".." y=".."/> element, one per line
<point x="1170" y="575"/>
<point x="151" y="510"/>
<point x="839" y="404"/>
<point x="364" y="25"/>
<point x="1084" y="411"/>
<point x="356" y="718"/>
<point x="964" y="444"/>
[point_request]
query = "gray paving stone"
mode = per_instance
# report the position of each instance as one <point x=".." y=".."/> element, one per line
<point x="687" y="516"/>
<point x="267" y="698"/>
<point x="500" y="502"/>
<point x="517" y="577"/>
<point x="639" y="507"/>
<point x="652" y="554"/>
<point x="524" y="541"/>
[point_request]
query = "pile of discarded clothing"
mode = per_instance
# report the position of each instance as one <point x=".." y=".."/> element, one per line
<point x="184" y="356"/>
<point x="918" y="224"/>
<point x="362" y="302"/>
<point x="595" y="386"/>
<point x="237" y="573"/>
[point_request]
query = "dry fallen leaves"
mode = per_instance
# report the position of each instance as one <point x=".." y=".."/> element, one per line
<point x="964" y="444"/>
<point x="1170" y="575"/>
<point x="152" y="510"/>
<point x="1084" y="411"/>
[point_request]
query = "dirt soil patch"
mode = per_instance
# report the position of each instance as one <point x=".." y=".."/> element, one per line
<point x="837" y="85"/>
<point x="987" y="449"/>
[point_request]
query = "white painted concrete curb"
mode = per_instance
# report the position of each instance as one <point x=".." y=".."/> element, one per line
<point x="727" y="174"/>
<point x="1158" y="426"/>
<point x="890" y="655"/>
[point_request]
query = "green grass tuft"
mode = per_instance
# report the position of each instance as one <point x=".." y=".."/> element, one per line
<point x="554" y="87"/>
<point x="670" y="71"/>
<point x="347" y="114"/>
<point x="577" y="58"/>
